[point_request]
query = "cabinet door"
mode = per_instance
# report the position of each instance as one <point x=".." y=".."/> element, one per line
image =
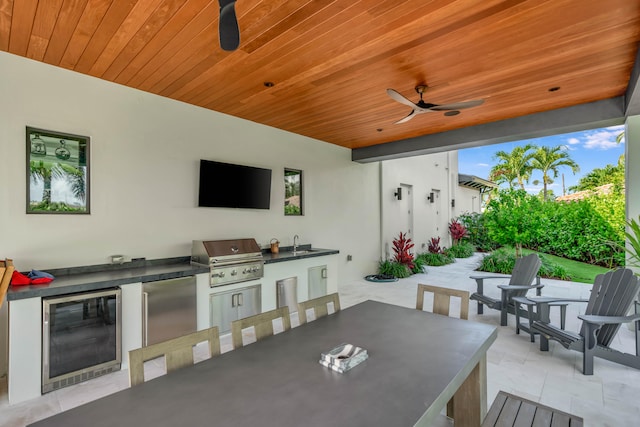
<point x="222" y="310"/>
<point x="250" y="301"/>
<point x="170" y="309"/>
<point x="287" y="294"/>
<point x="317" y="281"/>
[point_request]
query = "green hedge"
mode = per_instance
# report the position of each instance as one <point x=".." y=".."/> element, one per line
<point x="589" y="230"/>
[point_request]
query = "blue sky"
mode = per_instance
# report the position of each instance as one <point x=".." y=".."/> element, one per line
<point x="590" y="149"/>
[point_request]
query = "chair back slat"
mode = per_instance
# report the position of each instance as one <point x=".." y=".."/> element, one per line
<point x="262" y="324"/>
<point x="612" y="294"/>
<point x="319" y="305"/>
<point x="442" y="300"/>
<point x="525" y="270"/>
<point x="177" y="352"/>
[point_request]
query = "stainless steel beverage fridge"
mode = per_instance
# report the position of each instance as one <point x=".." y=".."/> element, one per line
<point x="81" y="337"/>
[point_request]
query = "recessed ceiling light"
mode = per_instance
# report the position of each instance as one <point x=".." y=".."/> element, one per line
<point x="553" y="89"/>
<point x="269" y="84"/>
<point x="452" y="113"/>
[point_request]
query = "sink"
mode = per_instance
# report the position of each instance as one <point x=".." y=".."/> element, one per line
<point x="302" y="252"/>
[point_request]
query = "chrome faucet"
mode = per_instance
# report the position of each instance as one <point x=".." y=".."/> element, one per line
<point x="295" y="243"/>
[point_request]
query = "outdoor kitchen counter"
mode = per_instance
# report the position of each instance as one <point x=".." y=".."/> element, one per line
<point x="89" y="278"/>
<point x="287" y="254"/>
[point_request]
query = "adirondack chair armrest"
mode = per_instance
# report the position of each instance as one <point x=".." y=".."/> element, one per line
<point x="488" y="277"/>
<point x="608" y="320"/>
<point x="543" y="304"/>
<point x="519" y="287"/>
<point x="547" y="300"/>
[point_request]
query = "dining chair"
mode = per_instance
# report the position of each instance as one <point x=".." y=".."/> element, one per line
<point x="319" y="305"/>
<point x="262" y="323"/>
<point x="177" y="352"/>
<point x="442" y="305"/>
<point x="442" y="300"/>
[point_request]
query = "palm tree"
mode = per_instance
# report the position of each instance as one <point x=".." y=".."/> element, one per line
<point x="502" y="176"/>
<point x="42" y="171"/>
<point x="74" y="176"/>
<point x="548" y="160"/>
<point x="514" y="166"/>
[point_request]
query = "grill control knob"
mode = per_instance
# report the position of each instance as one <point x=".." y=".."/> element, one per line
<point x="234" y="272"/>
<point x="221" y="274"/>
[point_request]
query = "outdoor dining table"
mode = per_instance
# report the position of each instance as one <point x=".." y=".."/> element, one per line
<point x="417" y="362"/>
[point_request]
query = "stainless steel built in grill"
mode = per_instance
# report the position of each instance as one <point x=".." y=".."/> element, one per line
<point x="230" y="261"/>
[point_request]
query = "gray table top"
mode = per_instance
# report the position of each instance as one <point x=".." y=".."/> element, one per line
<point x="417" y="361"/>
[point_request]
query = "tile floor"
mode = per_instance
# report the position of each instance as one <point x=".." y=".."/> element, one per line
<point x="514" y="364"/>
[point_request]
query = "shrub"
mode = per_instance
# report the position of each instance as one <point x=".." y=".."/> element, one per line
<point x="502" y="261"/>
<point x="434" y="246"/>
<point x="514" y="218"/>
<point x="435" y="259"/>
<point x="457" y="231"/>
<point x="394" y="269"/>
<point x="418" y="266"/>
<point x="401" y="248"/>
<point x="633" y="237"/>
<point x="477" y="232"/>
<point x="461" y="250"/>
<point x="499" y="261"/>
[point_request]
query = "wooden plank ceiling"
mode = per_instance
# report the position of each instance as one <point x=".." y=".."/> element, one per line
<point x="331" y="61"/>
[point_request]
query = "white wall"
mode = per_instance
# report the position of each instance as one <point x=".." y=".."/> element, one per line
<point x="145" y="151"/>
<point x="468" y="200"/>
<point x="424" y="174"/>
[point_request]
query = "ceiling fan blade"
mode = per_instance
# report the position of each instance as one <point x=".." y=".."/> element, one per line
<point x="401" y="99"/>
<point x="228" y="26"/>
<point x="411" y="115"/>
<point x="457" y="105"/>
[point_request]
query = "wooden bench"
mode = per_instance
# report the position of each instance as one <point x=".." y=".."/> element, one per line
<point x="510" y="410"/>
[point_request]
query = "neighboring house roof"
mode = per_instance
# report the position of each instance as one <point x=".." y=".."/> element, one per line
<point x="475" y="182"/>
<point x="579" y="195"/>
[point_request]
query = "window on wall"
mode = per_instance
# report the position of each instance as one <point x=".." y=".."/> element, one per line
<point x="292" y="192"/>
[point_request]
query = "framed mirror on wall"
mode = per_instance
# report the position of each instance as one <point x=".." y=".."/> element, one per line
<point x="57" y="172"/>
<point x="293" y="192"/>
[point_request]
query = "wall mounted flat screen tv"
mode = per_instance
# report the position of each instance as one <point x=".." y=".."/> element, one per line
<point x="226" y="185"/>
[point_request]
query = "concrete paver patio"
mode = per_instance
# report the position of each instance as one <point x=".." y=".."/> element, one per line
<point x="514" y="364"/>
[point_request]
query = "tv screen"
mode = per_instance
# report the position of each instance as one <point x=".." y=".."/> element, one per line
<point x="225" y="185"/>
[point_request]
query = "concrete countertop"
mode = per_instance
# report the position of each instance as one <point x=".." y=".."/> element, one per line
<point x="89" y="278"/>
<point x="304" y="251"/>
<point x="95" y="277"/>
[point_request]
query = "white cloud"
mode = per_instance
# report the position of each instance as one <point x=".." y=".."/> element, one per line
<point x="573" y="141"/>
<point x="604" y="139"/>
<point x="484" y="165"/>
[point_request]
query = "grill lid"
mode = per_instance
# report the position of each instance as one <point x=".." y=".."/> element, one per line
<point x="213" y="251"/>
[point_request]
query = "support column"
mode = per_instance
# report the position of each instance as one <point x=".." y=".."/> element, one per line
<point x="632" y="167"/>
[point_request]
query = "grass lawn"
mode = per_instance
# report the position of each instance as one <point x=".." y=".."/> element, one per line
<point x="578" y="271"/>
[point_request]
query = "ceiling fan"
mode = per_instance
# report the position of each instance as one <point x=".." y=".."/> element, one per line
<point x="228" y="27"/>
<point x="425" y="107"/>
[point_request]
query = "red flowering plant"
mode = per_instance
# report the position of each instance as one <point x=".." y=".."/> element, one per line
<point x="434" y="246"/>
<point x="401" y="248"/>
<point x="457" y="231"/>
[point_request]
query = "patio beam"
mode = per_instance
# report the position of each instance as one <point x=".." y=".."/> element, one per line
<point x="632" y="95"/>
<point x="592" y="115"/>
